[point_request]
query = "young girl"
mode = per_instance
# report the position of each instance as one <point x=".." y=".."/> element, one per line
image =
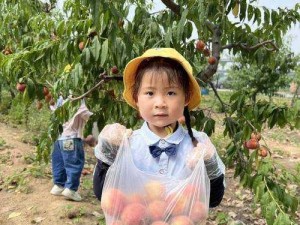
<point x="68" y="156"/>
<point x="161" y="86"/>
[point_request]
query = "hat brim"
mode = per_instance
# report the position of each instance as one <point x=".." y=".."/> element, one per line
<point x="131" y="68"/>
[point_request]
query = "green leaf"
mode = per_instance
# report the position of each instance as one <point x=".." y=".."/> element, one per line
<point x="30" y="88"/>
<point x="260" y="191"/>
<point x="96" y="48"/>
<point x="271" y="210"/>
<point x="209" y="127"/>
<point x="281" y="219"/>
<point x="257" y="16"/>
<point x="257" y="180"/>
<point x="243" y="8"/>
<point x="86" y="55"/>
<point x="181" y="25"/>
<point x="244" y="179"/>
<point x="168" y="37"/>
<point x="250" y="12"/>
<point x="104" y="52"/>
<point x="60" y="28"/>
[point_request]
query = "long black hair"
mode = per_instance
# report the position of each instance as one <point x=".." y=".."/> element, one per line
<point x="187" y="117"/>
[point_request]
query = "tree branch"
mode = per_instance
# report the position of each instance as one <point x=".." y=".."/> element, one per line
<point x="172" y="5"/>
<point x="206" y="74"/>
<point x="249" y="48"/>
<point x="217" y="95"/>
<point x="89" y="91"/>
<point x="104" y="78"/>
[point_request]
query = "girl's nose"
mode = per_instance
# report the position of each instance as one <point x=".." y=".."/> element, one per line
<point x="160" y="102"/>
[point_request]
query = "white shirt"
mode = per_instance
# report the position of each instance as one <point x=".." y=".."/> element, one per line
<point x="75" y="126"/>
<point x="173" y="166"/>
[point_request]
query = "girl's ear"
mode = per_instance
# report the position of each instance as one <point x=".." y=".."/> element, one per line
<point x="137" y="104"/>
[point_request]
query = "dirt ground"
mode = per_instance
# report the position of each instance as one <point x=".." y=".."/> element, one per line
<point x="25" y="199"/>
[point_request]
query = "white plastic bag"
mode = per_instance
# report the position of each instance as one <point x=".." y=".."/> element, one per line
<point x="133" y="197"/>
<point x="213" y="163"/>
<point x="109" y="141"/>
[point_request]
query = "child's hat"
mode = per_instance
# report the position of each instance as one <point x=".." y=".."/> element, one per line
<point x="131" y="67"/>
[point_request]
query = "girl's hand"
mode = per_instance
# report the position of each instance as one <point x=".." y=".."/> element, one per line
<point x="205" y="150"/>
<point x="109" y="141"/>
<point x="114" y="133"/>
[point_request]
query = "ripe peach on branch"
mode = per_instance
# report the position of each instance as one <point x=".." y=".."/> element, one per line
<point x="212" y="60"/>
<point x="263" y="151"/>
<point x="251" y="144"/>
<point x="200" y="45"/>
<point x="21" y="87"/>
<point x="256" y="135"/>
<point x="114" y="70"/>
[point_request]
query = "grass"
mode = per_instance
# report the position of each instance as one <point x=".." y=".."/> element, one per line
<point x="2" y="142"/>
<point x="17" y="183"/>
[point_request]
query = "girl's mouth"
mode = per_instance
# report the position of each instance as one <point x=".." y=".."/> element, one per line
<point x="161" y="115"/>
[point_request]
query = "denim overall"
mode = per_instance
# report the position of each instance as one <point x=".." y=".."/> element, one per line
<point x="68" y="162"/>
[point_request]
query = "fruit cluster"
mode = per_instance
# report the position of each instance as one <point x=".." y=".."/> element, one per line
<point x="253" y="143"/>
<point x="154" y="206"/>
<point x="201" y="47"/>
<point x="48" y="96"/>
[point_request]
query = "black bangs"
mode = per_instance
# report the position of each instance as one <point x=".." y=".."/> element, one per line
<point x="158" y="65"/>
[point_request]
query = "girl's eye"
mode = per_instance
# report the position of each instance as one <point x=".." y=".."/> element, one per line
<point x="150" y="93"/>
<point x="171" y="93"/>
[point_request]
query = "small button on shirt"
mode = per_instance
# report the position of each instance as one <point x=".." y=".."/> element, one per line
<point x="173" y="166"/>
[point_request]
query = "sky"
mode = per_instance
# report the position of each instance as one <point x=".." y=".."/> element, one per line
<point x="293" y="34"/>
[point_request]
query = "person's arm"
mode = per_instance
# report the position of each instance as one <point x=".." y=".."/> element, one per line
<point x="216" y="191"/>
<point x="99" y="178"/>
<point x="214" y="167"/>
<point x="216" y="177"/>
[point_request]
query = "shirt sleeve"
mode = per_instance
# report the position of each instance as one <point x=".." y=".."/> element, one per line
<point x="216" y="172"/>
<point x="217" y="189"/>
<point x="214" y="165"/>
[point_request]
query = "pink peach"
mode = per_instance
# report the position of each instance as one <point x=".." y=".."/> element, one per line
<point x="134" y="214"/>
<point x="181" y="220"/>
<point x="198" y="211"/>
<point x="113" y="201"/>
<point x="135" y="198"/>
<point x="154" y="190"/>
<point x="156" y="210"/>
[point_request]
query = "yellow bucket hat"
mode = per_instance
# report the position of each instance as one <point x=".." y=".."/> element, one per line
<point x="131" y="67"/>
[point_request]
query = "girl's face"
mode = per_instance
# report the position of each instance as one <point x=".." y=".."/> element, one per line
<point x="160" y="102"/>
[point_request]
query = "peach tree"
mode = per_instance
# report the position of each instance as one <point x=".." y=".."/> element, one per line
<point x="81" y="50"/>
